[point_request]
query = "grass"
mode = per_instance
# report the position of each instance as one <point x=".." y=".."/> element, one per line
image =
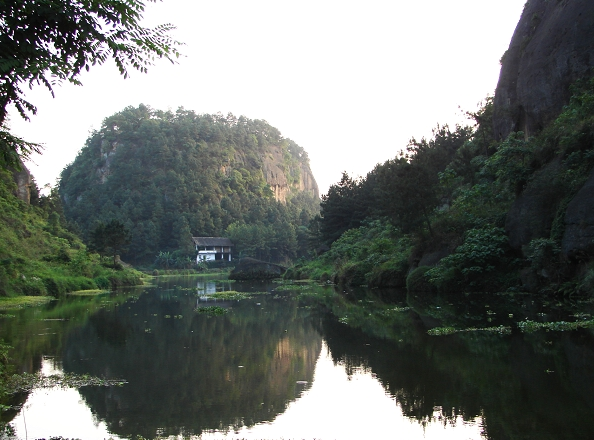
<point x="19" y="302"/>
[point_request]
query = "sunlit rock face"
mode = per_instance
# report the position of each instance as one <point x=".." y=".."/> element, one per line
<point x="275" y="172"/>
<point x="552" y="47"/>
<point x="22" y="178"/>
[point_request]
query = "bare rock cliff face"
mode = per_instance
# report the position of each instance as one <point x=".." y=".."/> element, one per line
<point x="578" y="238"/>
<point x="22" y="178"/>
<point x="552" y="47"/>
<point x="281" y="185"/>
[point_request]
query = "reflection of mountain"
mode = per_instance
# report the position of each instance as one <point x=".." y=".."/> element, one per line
<point x="524" y="386"/>
<point x="193" y="373"/>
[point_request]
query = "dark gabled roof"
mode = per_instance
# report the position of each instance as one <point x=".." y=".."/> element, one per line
<point x="211" y="241"/>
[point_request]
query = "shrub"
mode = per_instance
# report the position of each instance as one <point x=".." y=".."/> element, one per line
<point x="351" y="274"/>
<point x="102" y="282"/>
<point x="32" y="286"/>
<point x="474" y="263"/>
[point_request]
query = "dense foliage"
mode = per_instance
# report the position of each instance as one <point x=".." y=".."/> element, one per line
<point x="452" y="197"/>
<point x="40" y="256"/>
<point x="48" y="41"/>
<point x="169" y="176"/>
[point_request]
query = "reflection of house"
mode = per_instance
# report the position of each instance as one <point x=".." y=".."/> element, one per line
<point x="212" y="248"/>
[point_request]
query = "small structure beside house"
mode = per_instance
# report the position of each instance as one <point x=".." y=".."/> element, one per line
<point x="212" y="248"/>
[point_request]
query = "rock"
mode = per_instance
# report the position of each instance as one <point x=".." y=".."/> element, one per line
<point x="275" y="173"/>
<point x="23" y="181"/>
<point x="578" y="238"/>
<point x="252" y="269"/>
<point x="551" y="48"/>
<point x="431" y="259"/>
<point x="531" y="215"/>
<point x="416" y="283"/>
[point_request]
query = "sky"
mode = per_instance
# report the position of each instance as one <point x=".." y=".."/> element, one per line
<point x="349" y="81"/>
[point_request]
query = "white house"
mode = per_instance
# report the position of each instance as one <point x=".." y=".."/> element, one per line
<point x="212" y="248"/>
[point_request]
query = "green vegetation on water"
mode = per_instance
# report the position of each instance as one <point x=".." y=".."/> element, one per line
<point x="561" y="326"/>
<point x="212" y="310"/>
<point x="233" y="295"/>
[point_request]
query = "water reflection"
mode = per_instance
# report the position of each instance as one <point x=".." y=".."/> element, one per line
<point x="206" y="287"/>
<point x="191" y="372"/>
<point x="537" y="385"/>
<point x="377" y="371"/>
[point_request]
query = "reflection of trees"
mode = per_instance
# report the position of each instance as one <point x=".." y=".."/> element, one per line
<point x="538" y="385"/>
<point x="196" y="372"/>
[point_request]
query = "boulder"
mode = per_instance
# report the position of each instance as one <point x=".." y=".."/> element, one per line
<point x="551" y="48"/>
<point x="252" y="269"/>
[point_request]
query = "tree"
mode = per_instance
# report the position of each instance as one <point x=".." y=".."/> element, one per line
<point x="341" y="208"/>
<point x="44" y="42"/>
<point x="112" y="236"/>
<point x="409" y="186"/>
<point x="97" y="239"/>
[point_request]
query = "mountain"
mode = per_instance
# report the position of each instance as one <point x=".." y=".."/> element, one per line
<point x="550" y="50"/>
<point x="504" y="204"/>
<point x="169" y="176"/>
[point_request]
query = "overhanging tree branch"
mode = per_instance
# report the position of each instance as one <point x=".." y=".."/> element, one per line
<point x="45" y="42"/>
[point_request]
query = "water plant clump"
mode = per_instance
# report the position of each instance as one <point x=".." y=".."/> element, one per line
<point x="442" y="331"/>
<point x="27" y="382"/>
<point x="528" y="326"/>
<point x="212" y="310"/>
<point x="292" y="287"/>
<point x="232" y="295"/>
<point x="90" y="292"/>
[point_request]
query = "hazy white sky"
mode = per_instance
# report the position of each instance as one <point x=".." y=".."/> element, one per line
<point x="349" y="81"/>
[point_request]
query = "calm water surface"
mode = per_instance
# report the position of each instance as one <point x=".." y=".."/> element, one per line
<point x="304" y="363"/>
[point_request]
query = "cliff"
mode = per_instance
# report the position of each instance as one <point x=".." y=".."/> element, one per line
<point x="22" y="179"/>
<point x="550" y="49"/>
<point x="274" y="169"/>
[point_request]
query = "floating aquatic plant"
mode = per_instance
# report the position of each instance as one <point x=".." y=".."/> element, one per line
<point x="442" y="331"/>
<point x="90" y="292"/>
<point x="27" y="382"/>
<point x="212" y="310"/>
<point x="231" y="295"/>
<point x="528" y="326"/>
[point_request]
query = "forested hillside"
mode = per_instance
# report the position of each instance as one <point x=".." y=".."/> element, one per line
<point x="464" y="212"/>
<point x="169" y="176"/>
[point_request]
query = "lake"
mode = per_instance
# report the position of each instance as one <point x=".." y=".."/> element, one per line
<point x="304" y="362"/>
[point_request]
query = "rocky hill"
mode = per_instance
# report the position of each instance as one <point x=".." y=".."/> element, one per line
<point x="172" y="175"/>
<point x="504" y="204"/>
<point x="551" y="48"/>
